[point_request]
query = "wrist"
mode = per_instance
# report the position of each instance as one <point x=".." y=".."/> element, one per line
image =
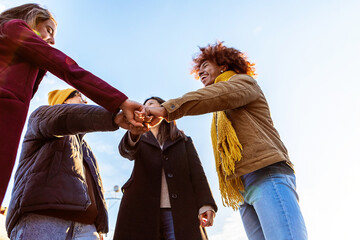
<point x="115" y="120"/>
<point x="134" y="137"/>
<point x="132" y="141"/>
<point x="164" y="112"/>
<point x="123" y="104"/>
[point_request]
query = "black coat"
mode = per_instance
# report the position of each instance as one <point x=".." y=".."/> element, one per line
<point x="139" y="213"/>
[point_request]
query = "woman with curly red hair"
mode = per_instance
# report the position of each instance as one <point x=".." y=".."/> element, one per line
<point x="253" y="166"/>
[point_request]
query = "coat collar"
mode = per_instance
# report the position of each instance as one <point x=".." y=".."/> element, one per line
<point x="150" y="139"/>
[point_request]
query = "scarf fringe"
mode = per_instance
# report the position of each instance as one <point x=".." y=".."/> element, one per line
<point x="230" y="191"/>
<point x="227" y="151"/>
<point x="228" y="144"/>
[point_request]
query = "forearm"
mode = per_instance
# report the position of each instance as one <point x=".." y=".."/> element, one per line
<point x="133" y="139"/>
<point x="34" y="50"/>
<point x="128" y="147"/>
<point x="237" y="92"/>
<point x="70" y="119"/>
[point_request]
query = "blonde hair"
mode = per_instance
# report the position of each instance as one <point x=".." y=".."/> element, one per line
<point x="31" y="13"/>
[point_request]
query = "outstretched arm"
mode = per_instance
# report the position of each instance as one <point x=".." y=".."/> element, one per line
<point x="33" y="49"/>
<point x="68" y="119"/>
<point x="239" y="91"/>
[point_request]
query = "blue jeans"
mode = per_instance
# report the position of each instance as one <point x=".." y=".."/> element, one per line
<point x="39" y="227"/>
<point x="167" y="231"/>
<point x="270" y="210"/>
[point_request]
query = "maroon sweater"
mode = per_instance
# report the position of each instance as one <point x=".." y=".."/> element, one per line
<point x="24" y="60"/>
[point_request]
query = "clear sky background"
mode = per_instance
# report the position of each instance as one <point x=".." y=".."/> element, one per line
<point x="307" y="60"/>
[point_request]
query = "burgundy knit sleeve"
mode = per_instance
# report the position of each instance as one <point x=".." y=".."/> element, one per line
<point x="33" y="49"/>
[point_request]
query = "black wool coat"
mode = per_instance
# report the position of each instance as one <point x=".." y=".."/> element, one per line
<point x="139" y="213"/>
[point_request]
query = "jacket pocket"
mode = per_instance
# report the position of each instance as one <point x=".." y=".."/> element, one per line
<point x="127" y="184"/>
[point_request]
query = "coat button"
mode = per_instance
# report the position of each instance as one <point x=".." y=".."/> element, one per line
<point x="166" y="158"/>
<point x="172" y="106"/>
<point x="174" y="195"/>
<point x="170" y="175"/>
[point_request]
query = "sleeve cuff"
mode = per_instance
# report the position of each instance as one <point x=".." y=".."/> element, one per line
<point x="131" y="142"/>
<point x="206" y="208"/>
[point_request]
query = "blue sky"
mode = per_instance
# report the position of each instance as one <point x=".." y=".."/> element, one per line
<point x="307" y="61"/>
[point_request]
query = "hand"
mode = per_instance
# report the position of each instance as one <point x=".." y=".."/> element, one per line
<point x="121" y="120"/>
<point x="207" y="218"/>
<point x="157" y="115"/>
<point x="141" y="117"/>
<point x="156" y="112"/>
<point x="129" y="107"/>
<point x="3" y="210"/>
<point x="136" y="131"/>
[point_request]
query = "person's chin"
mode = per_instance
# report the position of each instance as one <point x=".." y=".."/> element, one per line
<point x="208" y="84"/>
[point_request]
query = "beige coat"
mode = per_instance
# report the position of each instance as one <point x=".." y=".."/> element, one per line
<point x="245" y="105"/>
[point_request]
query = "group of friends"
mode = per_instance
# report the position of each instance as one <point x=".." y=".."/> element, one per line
<point x="58" y="192"/>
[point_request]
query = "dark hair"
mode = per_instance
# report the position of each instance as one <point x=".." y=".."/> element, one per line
<point x="221" y="55"/>
<point x="72" y="94"/>
<point x="31" y="13"/>
<point x="167" y="130"/>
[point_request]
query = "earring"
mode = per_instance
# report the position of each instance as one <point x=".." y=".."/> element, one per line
<point x="222" y="71"/>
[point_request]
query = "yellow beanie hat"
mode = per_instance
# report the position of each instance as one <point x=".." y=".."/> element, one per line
<point x="59" y="96"/>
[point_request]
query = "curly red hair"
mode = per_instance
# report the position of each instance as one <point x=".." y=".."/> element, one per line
<point x="222" y="55"/>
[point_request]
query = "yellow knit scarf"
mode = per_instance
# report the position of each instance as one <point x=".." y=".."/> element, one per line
<point x="227" y="151"/>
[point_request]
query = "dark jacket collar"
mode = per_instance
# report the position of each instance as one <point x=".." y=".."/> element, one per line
<point x="150" y="139"/>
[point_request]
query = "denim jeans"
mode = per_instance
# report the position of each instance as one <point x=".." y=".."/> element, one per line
<point x="39" y="227"/>
<point x="167" y="231"/>
<point x="270" y="210"/>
